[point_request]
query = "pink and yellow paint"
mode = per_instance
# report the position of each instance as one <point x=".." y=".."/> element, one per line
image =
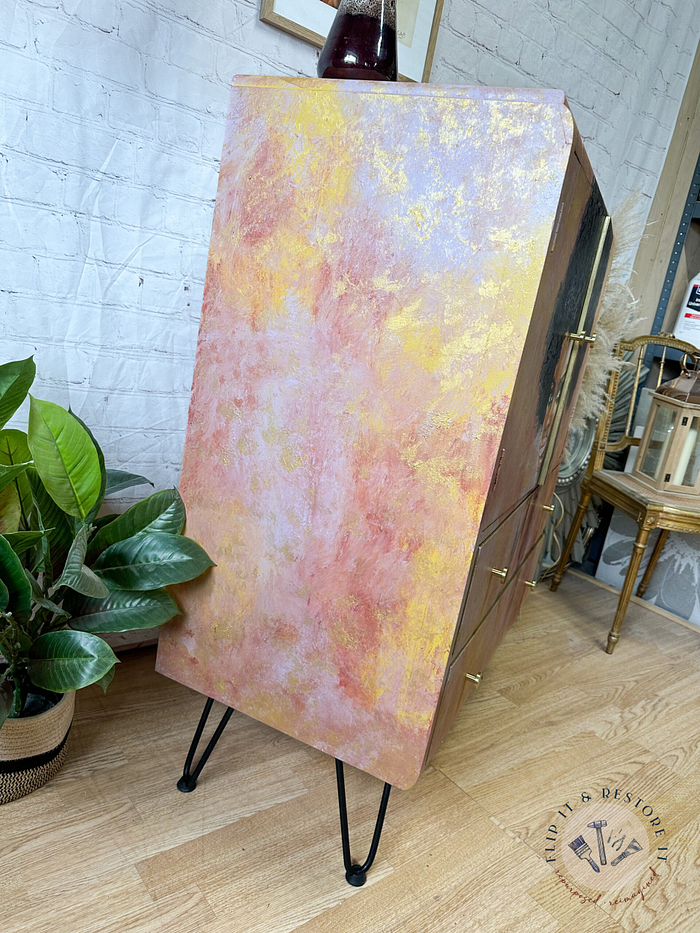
<point x="374" y="261"/>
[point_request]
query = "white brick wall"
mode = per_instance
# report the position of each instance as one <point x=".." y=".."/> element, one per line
<point x="111" y="115"/>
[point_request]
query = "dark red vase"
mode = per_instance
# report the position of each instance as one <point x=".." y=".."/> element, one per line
<point x="362" y="44"/>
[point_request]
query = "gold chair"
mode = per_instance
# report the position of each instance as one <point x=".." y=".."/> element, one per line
<point x="650" y="508"/>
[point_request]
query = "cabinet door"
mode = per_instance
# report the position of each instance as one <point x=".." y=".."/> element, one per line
<point x="574" y="355"/>
<point x="549" y="373"/>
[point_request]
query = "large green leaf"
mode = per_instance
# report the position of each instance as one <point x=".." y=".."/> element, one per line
<point x="67" y="660"/>
<point x="10" y="509"/>
<point x="162" y="511"/>
<point x="13" y="450"/>
<point x="4" y="597"/>
<point x="50" y="516"/>
<point x="88" y="583"/>
<point x="150" y="561"/>
<point x="14" y="447"/>
<point x="10" y="473"/>
<point x="65" y="457"/>
<point x="12" y="575"/>
<point x="119" y="479"/>
<point x="170" y="520"/>
<point x="76" y="574"/>
<point x="124" y="611"/>
<point x="21" y="541"/>
<point x="103" y="471"/>
<point x="16" y="379"/>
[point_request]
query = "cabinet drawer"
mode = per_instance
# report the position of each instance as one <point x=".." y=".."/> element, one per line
<point x="527" y="569"/>
<point x="478" y="651"/>
<point x="468" y="666"/>
<point x="498" y="552"/>
<point x="524" y="577"/>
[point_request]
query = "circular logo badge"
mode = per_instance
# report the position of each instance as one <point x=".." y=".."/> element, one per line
<point x="607" y="846"/>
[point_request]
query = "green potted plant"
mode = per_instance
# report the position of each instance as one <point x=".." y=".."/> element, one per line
<point x="67" y="575"/>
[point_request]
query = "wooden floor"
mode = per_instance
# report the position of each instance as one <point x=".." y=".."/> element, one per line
<point x="110" y="844"/>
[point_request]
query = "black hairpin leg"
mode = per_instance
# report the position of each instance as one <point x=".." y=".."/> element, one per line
<point x="188" y="781"/>
<point x="355" y="874"/>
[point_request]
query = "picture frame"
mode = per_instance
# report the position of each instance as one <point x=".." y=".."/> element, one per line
<point x="310" y="20"/>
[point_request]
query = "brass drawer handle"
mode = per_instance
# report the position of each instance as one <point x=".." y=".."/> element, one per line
<point x="500" y="573"/>
<point x="475" y="678"/>
<point x="531" y="583"/>
<point x="548" y="508"/>
<point x="583" y="337"/>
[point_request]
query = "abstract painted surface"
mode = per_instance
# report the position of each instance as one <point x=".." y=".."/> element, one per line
<point x="374" y="262"/>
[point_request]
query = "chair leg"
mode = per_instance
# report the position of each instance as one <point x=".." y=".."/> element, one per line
<point x="632" y="571"/>
<point x="653" y="561"/>
<point x="570" y="540"/>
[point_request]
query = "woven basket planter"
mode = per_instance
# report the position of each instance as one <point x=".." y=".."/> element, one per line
<point x="32" y="750"/>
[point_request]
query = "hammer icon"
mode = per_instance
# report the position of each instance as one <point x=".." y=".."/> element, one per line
<point x="598" y="826"/>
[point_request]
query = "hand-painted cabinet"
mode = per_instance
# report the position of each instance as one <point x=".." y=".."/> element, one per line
<point x="382" y="388"/>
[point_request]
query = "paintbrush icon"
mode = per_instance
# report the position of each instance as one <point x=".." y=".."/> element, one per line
<point x="581" y="848"/>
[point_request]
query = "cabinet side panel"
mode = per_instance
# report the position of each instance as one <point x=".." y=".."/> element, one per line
<point x="373" y="269"/>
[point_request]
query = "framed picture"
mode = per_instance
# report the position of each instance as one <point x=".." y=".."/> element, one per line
<point x="418" y="22"/>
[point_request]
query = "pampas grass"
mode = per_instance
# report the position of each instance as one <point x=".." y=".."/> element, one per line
<point x="618" y="315"/>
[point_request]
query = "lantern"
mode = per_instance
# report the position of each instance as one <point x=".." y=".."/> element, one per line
<point x="669" y="451"/>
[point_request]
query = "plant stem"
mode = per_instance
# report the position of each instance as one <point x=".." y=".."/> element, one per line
<point x="17" y="702"/>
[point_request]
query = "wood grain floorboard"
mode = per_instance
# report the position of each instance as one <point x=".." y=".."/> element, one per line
<point x="110" y="846"/>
